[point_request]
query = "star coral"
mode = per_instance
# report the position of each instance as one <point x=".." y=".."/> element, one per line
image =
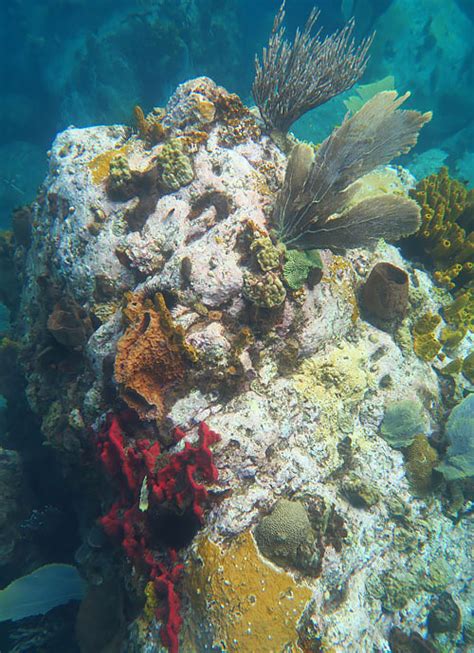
<point x="120" y="182"/>
<point x="264" y="290"/>
<point x="174" y="165"/>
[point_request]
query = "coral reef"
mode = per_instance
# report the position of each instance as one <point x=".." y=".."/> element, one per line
<point x="147" y="316"/>
<point x="134" y="468"/>
<point x="266" y="254"/>
<point x="300" y="266"/>
<point x="459" y="461"/>
<point x="468" y="367"/>
<point x="312" y="211"/>
<point x="401" y="642"/>
<point x="120" y="177"/>
<point x="69" y="324"/>
<point x="150" y="358"/>
<point x="265" y="290"/>
<point x="425" y="344"/>
<point x="294" y="78"/>
<point x="150" y="127"/>
<point x="421" y="459"/>
<point x="242" y="602"/>
<point x="175" y="167"/>
<point x="285" y="535"/>
<point x="445" y="615"/>
<point x="359" y="492"/>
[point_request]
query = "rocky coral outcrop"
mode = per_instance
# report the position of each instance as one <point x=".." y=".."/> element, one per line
<point x="292" y="379"/>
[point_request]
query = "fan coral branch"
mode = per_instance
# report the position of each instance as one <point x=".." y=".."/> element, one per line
<point x="296" y="77"/>
<point x="317" y="188"/>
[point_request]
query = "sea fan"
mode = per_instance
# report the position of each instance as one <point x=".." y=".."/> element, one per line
<point x="311" y="209"/>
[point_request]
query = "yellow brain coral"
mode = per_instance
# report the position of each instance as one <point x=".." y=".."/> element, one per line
<point x="250" y="605"/>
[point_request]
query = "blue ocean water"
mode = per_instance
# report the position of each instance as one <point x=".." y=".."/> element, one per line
<point x="77" y="62"/>
<point x="84" y="63"/>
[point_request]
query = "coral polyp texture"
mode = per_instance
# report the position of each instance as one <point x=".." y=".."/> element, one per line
<point x="446" y="233"/>
<point x="195" y="354"/>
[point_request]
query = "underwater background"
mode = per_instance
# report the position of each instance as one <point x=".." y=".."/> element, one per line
<point x="76" y="62"/>
<point x="82" y="63"/>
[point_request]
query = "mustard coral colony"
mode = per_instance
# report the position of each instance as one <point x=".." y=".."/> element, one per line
<point x="445" y="241"/>
<point x="188" y="272"/>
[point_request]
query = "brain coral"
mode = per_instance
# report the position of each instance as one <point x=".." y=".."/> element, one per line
<point x="285" y="535"/>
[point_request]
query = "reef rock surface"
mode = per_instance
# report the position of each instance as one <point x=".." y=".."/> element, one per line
<point x="294" y="381"/>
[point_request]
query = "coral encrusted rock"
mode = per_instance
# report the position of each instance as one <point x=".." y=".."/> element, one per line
<point x="146" y="305"/>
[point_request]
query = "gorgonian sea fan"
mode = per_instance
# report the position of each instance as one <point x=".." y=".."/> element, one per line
<point x="311" y="208"/>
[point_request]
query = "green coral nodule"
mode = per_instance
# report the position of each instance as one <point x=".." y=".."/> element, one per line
<point x="120" y="175"/>
<point x="298" y="265"/>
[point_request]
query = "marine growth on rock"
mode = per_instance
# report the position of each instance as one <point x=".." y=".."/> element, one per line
<point x="256" y="465"/>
